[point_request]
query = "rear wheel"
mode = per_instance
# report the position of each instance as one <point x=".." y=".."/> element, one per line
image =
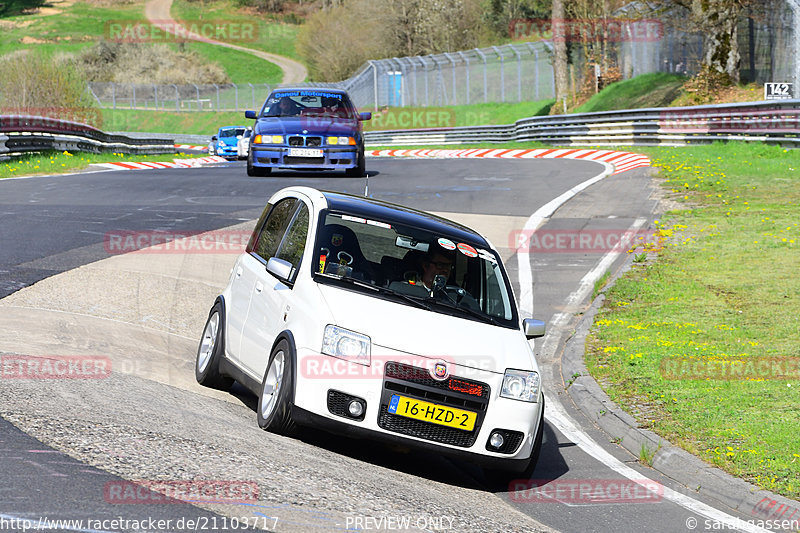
<point x="210" y="352"/>
<point x="254" y="170"/>
<point x="275" y="401"/>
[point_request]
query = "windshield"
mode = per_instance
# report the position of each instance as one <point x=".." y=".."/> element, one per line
<point x="308" y="104"/>
<point x="448" y="275"/>
<point x="231" y="132"/>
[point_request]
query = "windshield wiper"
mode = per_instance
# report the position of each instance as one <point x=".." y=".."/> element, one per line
<point x="452" y="304"/>
<point x="355" y="281"/>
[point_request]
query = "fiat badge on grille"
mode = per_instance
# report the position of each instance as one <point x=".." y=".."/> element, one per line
<point x="439" y="371"/>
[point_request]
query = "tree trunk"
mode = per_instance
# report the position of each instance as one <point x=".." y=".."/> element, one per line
<point x="718" y="20"/>
<point x="560" y="55"/>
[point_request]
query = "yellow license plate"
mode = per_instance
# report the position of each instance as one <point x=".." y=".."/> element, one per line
<point x="431" y="412"/>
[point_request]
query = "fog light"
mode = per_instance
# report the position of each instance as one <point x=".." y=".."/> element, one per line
<point x="356" y="409"/>
<point x="496" y="440"/>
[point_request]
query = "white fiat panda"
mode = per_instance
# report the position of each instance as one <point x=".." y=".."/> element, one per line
<point x="353" y="315"/>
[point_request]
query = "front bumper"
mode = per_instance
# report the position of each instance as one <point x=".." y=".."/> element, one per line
<point x="316" y="383"/>
<point x="333" y="158"/>
<point x="227" y="151"/>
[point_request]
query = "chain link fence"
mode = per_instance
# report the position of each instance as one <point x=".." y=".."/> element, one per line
<point x="509" y="73"/>
<point x="229" y="97"/>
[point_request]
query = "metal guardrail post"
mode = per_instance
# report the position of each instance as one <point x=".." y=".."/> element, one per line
<point x="113" y="95"/>
<point x="425" y="69"/>
<point x="197" y="94"/>
<point x="155" y="95"/>
<point x="252" y="95"/>
<point x="236" y="97"/>
<point x="133" y="104"/>
<point x="217" y="88"/>
<point x="177" y="98"/>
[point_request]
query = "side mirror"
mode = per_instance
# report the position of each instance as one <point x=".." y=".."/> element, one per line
<point x="280" y="268"/>
<point x="365" y="116"/>
<point x="250" y="114"/>
<point x="533" y="328"/>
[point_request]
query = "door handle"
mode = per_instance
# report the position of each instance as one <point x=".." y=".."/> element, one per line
<point x="239" y="272"/>
<point x="259" y="286"/>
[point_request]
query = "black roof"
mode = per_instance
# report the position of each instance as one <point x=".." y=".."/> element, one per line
<point x="398" y="214"/>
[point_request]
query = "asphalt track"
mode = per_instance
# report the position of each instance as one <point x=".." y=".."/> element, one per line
<point x="56" y="224"/>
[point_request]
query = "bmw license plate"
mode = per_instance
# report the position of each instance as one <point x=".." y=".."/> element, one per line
<point x="431" y="412"/>
<point x="304" y="152"/>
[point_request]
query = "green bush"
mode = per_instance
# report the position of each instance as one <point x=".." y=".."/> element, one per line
<point x="37" y="84"/>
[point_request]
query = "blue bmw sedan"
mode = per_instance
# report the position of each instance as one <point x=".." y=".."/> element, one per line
<point x="307" y="129"/>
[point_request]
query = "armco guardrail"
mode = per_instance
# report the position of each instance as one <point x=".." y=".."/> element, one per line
<point x="21" y="134"/>
<point x="775" y="122"/>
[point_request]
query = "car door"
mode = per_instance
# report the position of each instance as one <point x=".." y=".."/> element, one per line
<point x="250" y="267"/>
<point x="271" y="298"/>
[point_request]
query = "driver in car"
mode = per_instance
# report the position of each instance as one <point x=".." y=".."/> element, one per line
<point x="434" y="264"/>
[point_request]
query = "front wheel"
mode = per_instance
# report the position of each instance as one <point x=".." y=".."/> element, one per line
<point x="499" y="479"/>
<point x="210" y="352"/>
<point x="275" y="401"/>
<point x="360" y="170"/>
<point x="255" y="171"/>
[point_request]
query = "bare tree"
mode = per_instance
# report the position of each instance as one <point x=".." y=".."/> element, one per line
<point x="559" y="54"/>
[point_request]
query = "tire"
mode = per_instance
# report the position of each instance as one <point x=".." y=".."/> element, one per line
<point x="210" y="352"/>
<point x="499" y="479"/>
<point x="360" y="170"/>
<point x="277" y="389"/>
<point x="255" y="171"/>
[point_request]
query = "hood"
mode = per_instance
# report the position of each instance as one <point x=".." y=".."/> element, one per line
<point x="229" y="141"/>
<point x="395" y="327"/>
<point x="313" y="125"/>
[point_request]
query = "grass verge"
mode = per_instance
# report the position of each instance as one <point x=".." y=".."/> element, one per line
<point x="648" y="90"/>
<point x="206" y="122"/>
<point x="63" y="162"/>
<point x="724" y="288"/>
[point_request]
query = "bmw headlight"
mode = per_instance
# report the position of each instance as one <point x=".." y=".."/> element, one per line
<point x="346" y="344"/>
<point x="341" y="140"/>
<point x="521" y="385"/>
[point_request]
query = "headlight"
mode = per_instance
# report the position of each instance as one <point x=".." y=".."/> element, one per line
<point x="346" y="344"/>
<point x="221" y="144"/>
<point x="276" y="139"/>
<point x="521" y="385"/>
<point x="341" y="140"/>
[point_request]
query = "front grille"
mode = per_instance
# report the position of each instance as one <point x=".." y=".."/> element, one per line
<point x="302" y="140"/>
<point x="426" y="430"/>
<point x="421" y="376"/>
<point x="414" y="382"/>
<point x="303" y="160"/>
